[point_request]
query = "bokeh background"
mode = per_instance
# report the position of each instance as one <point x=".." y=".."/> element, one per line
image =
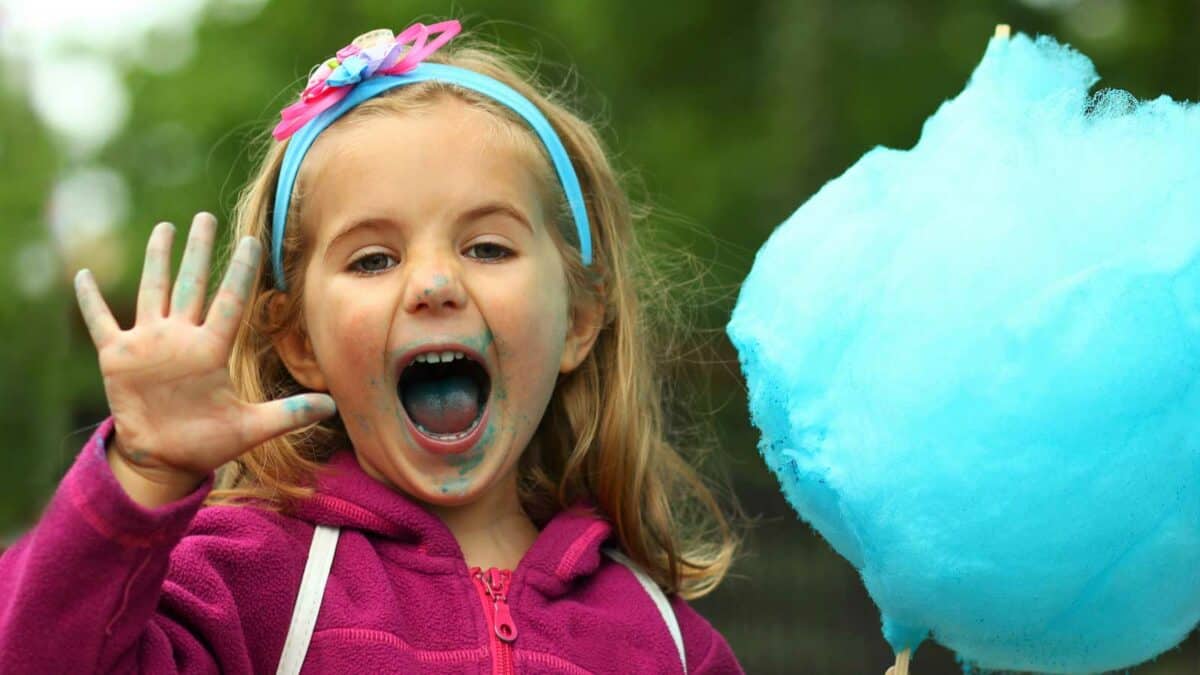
<point x="725" y="115"/>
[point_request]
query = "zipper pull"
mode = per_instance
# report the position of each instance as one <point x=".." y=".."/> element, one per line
<point x="497" y="586"/>
<point x="505" y="628"/>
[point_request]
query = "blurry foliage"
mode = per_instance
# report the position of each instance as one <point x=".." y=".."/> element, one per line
<point x="725" y="115"/>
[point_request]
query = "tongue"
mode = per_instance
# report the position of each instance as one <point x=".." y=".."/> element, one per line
<point x="443" y="405"/>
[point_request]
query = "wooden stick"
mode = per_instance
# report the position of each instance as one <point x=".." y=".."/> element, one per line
<point x="1003" y="30"/>
<point x="901" y="667"/>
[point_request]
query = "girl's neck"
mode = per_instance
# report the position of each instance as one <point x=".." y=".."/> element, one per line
<point x="492" y="531"/>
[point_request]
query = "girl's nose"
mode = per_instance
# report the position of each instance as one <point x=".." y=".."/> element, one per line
<point x="434" y="285"/>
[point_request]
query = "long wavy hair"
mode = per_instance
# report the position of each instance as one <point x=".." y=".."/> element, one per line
<point x="602" y="438"/>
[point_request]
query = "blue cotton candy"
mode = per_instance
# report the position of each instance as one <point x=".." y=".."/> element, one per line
<point x="974" y="365"/>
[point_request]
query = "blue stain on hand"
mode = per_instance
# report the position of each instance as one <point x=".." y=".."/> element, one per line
<point x="298" y="404"/>
<point x="974" y="365"/>
<point x="310" y="405"/>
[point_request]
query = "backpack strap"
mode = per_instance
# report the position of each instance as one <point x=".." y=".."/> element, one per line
<point x="308" y="601"/>
<point x="659" y="598"/>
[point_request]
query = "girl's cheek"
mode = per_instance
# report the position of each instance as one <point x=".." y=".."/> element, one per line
<point x="359" y="334"/>
<point x="361" y="322"/>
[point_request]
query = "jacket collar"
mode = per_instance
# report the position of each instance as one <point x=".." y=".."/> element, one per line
<point x="567" y="548"/>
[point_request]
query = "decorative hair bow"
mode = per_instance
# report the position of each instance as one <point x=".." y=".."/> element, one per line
<point x="378" y="52"/>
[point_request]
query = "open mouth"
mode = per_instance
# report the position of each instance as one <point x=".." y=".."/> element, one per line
<point x="445" y="395"/>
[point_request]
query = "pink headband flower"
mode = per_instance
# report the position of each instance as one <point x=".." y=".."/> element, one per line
<point x="375" y="53"/>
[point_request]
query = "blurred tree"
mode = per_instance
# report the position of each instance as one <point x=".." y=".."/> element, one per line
<point x="32" y="318"/>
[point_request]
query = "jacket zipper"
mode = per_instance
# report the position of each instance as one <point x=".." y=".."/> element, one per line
<point x="493" y="588"/>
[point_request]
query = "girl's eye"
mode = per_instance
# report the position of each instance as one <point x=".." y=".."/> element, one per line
<point x="487" y="250"/>
<point x="372" y="263"/>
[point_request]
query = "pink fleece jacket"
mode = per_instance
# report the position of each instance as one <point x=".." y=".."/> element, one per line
<point x="104" y="585"/>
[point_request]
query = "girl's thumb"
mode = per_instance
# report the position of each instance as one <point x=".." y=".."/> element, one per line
<point x="276" y="418"/>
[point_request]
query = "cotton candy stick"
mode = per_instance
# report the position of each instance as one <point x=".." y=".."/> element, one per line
<point x="901" y="667"/>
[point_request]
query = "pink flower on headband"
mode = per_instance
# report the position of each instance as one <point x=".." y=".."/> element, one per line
<point x="375" y="53"/>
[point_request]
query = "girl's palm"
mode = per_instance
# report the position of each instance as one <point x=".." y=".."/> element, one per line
<point x="167" y="378"/>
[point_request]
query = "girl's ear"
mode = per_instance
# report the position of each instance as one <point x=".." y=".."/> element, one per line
<point x="296" y="350"/>
<point x="587" y="318"/>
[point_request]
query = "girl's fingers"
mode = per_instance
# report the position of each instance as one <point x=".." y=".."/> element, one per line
<point x="100" y="322"/>
<point x="275" y="418"/>
<point x="230" y="301"/>
<point x="188" y="298"/>
<point x="156" y="274"/>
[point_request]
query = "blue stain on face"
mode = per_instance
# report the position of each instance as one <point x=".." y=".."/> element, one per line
<point x="439" y="281"/>
<point x="455" y="486"/>
<point x="468" y="461"/>
<point x="482" y="342"/>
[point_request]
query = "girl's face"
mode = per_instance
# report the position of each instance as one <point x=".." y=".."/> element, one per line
<point x="427" y="240"/>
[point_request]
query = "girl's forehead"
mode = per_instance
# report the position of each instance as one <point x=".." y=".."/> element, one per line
<point x="446" y="155"/>
<point x="446" y="127"/>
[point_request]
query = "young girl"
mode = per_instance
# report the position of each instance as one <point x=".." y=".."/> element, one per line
<point x="451" y="262"/>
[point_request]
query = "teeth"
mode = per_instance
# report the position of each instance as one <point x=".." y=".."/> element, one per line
<point x="439" y="357"/>
<point x="445" y="437"/>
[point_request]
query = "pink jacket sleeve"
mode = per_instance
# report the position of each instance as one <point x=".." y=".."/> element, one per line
<point x="81" y="592"/>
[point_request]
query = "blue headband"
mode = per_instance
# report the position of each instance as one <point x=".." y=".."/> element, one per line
<point x="467" y="79"/>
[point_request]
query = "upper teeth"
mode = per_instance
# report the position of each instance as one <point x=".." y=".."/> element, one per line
<point x="439" y="357"/>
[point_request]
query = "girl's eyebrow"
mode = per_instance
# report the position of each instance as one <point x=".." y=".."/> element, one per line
<point x="367" y="223"/>
<point x="498" y="206"/>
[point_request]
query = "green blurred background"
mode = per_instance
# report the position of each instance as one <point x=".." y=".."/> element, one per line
<point x="726" y="115"/>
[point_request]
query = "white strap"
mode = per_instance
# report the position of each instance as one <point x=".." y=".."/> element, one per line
<point x="659" y="598"/>
<point x="308" y="601"/>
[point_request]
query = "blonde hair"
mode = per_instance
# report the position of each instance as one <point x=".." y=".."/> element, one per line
<point x="602" y="439"/>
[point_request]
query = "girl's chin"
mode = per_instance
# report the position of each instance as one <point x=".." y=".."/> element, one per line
<point x="449" y="498"/>
<point x="441" y="480"/>
<point x="445" y="488"/>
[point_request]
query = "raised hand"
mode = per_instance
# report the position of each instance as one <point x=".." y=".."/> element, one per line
<point x="167" y="379"/>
